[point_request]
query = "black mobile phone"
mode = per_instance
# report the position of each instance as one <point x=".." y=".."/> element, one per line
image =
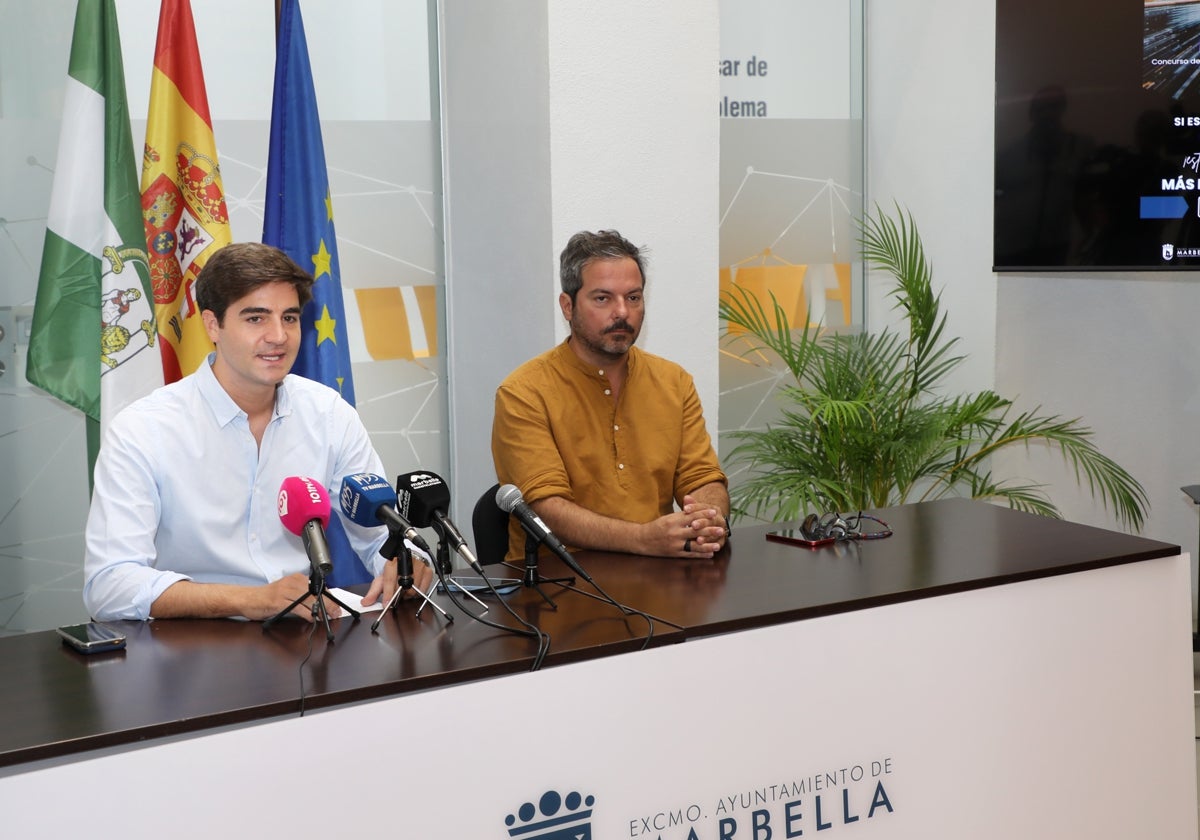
<point x="92" y="637"/>
<point x="477" y="585"/>
<point x="793" y="536"/>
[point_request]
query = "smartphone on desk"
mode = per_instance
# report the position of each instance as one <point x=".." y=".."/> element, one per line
<point x="794" y="536"/>
<point x="478" y="586"/>
<point x="92" y="637"/>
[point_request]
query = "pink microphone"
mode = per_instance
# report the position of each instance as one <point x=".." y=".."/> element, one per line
<point x="304" y="510"/>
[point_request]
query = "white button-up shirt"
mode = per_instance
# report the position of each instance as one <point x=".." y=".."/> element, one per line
<point x="183" y="492"/>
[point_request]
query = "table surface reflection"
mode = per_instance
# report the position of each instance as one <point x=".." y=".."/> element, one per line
<point x="180" y="676"/>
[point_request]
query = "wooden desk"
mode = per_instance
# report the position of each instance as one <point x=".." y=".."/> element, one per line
<point x="987" y="659"/>
<point x="186" y="675"/>
<point x="951" y="545"/>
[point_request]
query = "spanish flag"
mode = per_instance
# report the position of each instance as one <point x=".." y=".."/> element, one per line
<point x="183" y="202"/>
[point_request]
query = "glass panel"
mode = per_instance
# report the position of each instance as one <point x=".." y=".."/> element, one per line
<point x="382" y="151"/>
<point x="792" y="176"/>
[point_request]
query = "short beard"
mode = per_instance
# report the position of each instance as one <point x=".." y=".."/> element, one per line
<point x="600" y="349"/>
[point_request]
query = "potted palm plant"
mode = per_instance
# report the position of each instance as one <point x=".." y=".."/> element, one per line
<point x="865" y="421"/>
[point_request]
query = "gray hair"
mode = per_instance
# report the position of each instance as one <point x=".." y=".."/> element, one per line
<point x="585" y="246"/>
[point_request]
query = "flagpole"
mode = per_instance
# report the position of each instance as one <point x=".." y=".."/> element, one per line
<point x="298" y="219"/>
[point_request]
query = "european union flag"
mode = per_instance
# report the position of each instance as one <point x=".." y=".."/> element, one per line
<point x="298" y="219"/>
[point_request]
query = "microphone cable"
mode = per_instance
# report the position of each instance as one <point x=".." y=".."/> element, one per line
<point x="605" y="598"/>
<point x="530" y="631"/>
<point x="312" y="630"/>
<point x="510" y="500"/>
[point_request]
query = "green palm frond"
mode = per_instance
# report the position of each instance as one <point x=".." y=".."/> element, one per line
<point x="1030" y="498"/>
<point x="864" y="423"/>
<point x="793" y="347"/>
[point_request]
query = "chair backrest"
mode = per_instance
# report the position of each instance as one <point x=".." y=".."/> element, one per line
<point x="490" y="525"/>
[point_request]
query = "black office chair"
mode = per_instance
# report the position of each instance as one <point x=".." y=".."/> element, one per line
<point x="490" y="525"/>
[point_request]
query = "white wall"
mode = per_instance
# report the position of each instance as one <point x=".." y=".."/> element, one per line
<point x="635" y="146"/>
<point x="1112" y="348"/>
<point x="563" y="117"/>
<point x="495" y="138"/>
<point x="930" y="67"/>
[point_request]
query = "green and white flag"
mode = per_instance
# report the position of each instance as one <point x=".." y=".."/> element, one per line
<point x="93" y="339"/>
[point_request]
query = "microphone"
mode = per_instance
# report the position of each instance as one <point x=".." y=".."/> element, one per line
<point x="423" y="498"/>
<point x="369" y="500"/>
<point x="304" y="509"/>
<point x="510" y="500"/>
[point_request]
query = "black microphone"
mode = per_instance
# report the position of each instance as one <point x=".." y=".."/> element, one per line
<point x="369" y="500"/>
<point x="510" y="500"/>
<point x="424" y="498"/>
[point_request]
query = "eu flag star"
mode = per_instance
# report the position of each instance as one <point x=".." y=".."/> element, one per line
<point x="325" y="327"/>
<point x="321" y="261"/>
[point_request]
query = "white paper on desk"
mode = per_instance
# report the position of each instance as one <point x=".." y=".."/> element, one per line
<point x="353" y="601"/>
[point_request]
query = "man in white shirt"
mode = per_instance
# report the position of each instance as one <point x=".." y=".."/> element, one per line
<point x="184" y="518"/>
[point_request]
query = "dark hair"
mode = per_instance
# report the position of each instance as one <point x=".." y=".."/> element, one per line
<point x="238" y="269"/>
<point x="586" y="246"/>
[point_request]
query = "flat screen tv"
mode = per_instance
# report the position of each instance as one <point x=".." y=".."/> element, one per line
<point x="1097" y="135"/>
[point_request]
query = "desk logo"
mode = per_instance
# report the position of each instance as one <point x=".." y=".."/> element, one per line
<point x="555" y="817"/>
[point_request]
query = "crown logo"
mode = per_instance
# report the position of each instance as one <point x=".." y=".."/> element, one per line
<point x="553" y="818"/>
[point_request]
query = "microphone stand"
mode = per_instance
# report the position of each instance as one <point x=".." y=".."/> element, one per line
<point x="444" y="568"/>
<point x="319" y="592"/>
<point x="404" y="567"/>
<point x="530" y="577"/>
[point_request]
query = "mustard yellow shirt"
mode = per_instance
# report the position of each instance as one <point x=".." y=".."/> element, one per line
<point x="558" y="432"/>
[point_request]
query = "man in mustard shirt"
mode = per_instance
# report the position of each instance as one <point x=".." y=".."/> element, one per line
<point x="602" y="438"/>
